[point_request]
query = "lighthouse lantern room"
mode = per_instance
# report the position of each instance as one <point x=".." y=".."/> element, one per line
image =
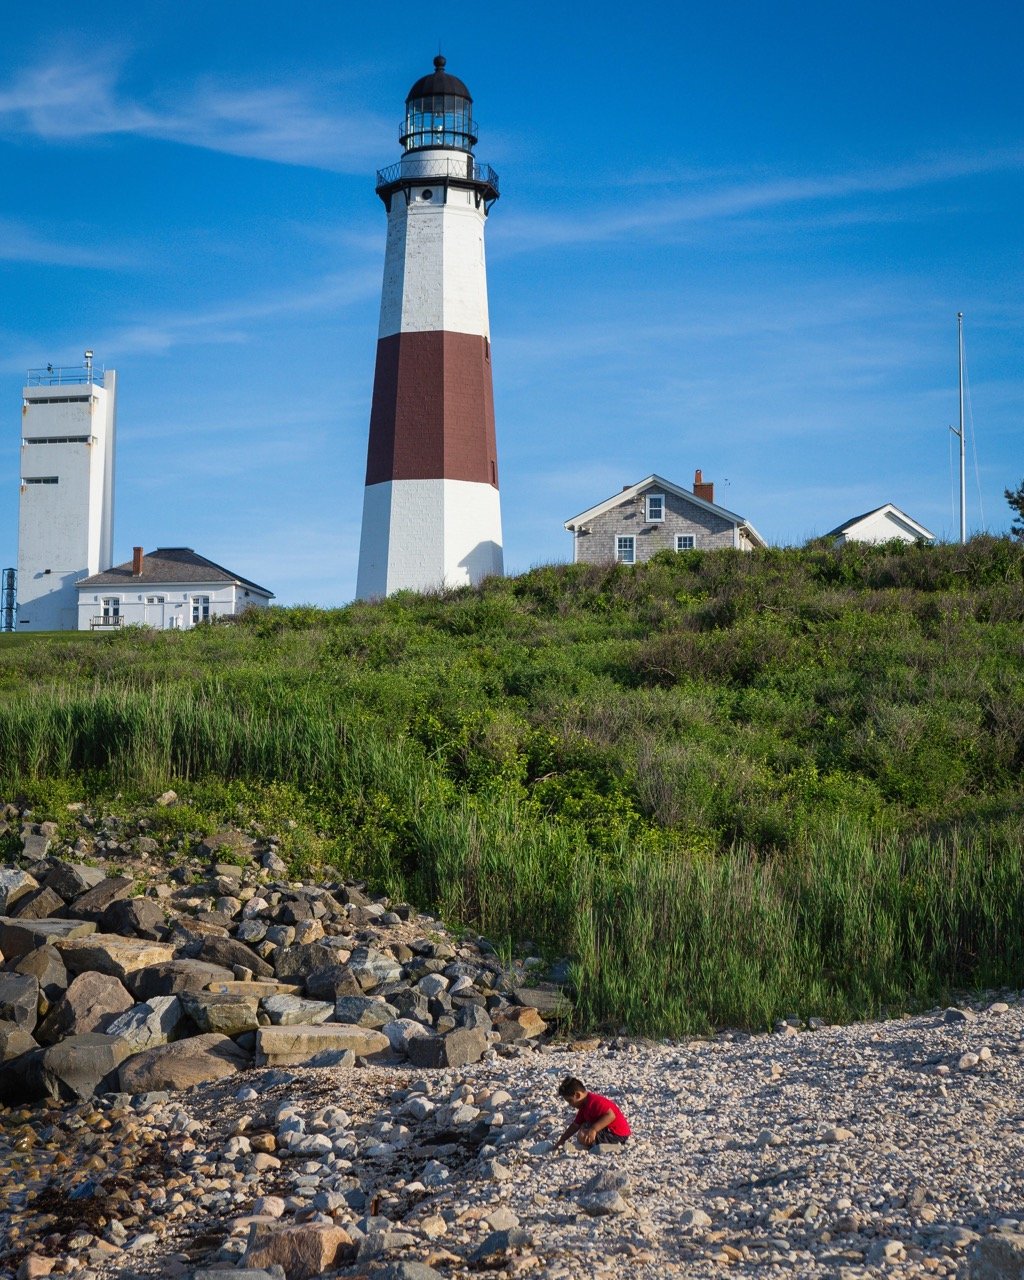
<point x="431" y="511"/>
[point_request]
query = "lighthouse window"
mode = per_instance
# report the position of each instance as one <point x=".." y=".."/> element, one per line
<point x="427" y="195"/>
<point x="625" y="549"/>
<point x="40" y="480"/>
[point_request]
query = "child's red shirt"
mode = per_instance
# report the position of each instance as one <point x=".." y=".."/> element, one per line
<point x="594" y="1107"/>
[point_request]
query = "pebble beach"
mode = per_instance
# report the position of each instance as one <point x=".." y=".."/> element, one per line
<point x="891" y="1148"/>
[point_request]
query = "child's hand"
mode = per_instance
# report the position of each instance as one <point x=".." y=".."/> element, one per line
<point x="588" y="1137"/>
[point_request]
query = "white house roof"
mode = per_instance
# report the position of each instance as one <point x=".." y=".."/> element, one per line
<point x="659" y="482"/>
<point x="894" y="513"/>
<point x="170" y="565"/>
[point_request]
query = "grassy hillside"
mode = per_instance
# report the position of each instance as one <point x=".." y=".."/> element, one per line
<point x="733" y="787"/>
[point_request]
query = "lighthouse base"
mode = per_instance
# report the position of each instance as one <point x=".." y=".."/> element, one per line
<point x="419" y="535"/>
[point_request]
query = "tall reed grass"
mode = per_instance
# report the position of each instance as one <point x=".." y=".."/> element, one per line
<point x="852" y="921"/>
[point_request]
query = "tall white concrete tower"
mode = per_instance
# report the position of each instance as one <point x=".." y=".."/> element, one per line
<point x="66" y="517"/>
<point x="431" y="511"/>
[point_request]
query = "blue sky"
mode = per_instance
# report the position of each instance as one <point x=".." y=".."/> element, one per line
<point x="732" y="237"/>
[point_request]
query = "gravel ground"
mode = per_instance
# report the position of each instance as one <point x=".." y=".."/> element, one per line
<point x="878" y="1149"/>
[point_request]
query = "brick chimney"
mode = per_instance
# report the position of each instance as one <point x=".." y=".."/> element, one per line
<point x="703" y="488"/>
<point x="136" y="561"/>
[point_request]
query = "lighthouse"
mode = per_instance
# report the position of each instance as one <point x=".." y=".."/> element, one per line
<point x="431" y="510"/>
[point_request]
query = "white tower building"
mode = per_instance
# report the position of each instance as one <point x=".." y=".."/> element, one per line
<point x="66" y="517"/>
<point x="431" y="511"/>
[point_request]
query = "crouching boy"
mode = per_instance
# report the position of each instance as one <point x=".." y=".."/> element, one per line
<point x="598" y="1119"/>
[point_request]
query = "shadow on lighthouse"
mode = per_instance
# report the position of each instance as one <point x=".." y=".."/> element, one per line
<point x="484" y="561"/>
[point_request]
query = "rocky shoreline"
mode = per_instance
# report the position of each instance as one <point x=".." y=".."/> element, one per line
<point x="389" y="1113"/>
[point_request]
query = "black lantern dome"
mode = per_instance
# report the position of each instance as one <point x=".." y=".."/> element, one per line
<point x="438" y="113"/>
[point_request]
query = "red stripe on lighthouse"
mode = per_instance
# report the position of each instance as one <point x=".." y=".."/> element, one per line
<point x="433" y="409"/>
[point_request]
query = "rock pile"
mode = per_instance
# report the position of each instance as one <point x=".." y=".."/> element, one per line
<point x="113" y="982"/>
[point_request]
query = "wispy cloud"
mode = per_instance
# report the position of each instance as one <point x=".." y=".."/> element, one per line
<point x="65" y="101"/>
<point x="161" y="333"/>
<point x="19" y="243"/>
<point x="523" y="232"/>
<point x="231" y="323"/>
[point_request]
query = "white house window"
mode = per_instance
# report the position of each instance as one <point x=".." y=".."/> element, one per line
<point x="685" y="542"/>
<point x="111" y="607"/>
<point x="655" y="507"/>
<point x="625" y="549"/>
<point x="200" y="609"/>
<point x="40" y="480"/>
<point x="154" y="599"/>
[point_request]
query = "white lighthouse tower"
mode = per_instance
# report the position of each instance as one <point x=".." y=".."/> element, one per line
<point x="431" y="511"/>
<point x="66" y="515"/>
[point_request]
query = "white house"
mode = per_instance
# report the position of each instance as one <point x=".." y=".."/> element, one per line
<point x="171" y="588"/>
<point x="881" y="525"/>
<point x="656" y="515"/>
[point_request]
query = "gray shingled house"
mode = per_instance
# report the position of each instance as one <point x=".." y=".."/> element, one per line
<point x="657" y="515"/>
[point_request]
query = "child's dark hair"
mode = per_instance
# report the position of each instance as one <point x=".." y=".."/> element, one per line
<point x="569" y="1086"/>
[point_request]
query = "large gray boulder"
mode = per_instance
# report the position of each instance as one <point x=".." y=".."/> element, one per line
<point x="19" y="999"/>
<point x="94" y="902"/>
<point x="287" y="1011"/>
<point x="456" y="1049"/>
<point x="110" y="953"/>
<point x="297" y="962"/>
<point x="78" y="1067"/>
<point x="71" y="879"/>
<point x="174" y="977"/>
<point x="373" y="968"/>
<point x="323" y="1044"/>
<point x="47" y="966"/>
<point x="150" y="1024"/>
<point x="304" y="1250"/>
<point x="14" y="1041"/>
<point x="14" y="884"/>
<point x="43" y="904"/>
<point x="230" y="1015"/>
<point x="135" y="917"/>
<point x="229" y="952"/>
<point x="999" y="1256"/>
<point x="183" y="1064"/>
<point x="19" y="937"/>
<point x="91" y="1002"/>
<point x="332" y="982"/>
<point x="401" y="1031"/>
<point x="364" y="1011"/>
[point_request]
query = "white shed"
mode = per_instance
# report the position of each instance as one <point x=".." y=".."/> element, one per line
<point x="172" y="588"/>
<point x="881" y="525"/>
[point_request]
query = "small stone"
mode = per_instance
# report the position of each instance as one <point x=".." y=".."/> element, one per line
<point x="968" y="1062"/>
<point x="838" y="1134"/>
<point x="952" y="1015"/>
<point x="694" y="1219"/>
<point x="603" y="1203"/>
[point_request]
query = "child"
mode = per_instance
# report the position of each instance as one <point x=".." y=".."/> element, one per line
<point x="598" y="1119"/>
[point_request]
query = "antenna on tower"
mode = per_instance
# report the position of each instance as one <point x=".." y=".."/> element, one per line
<point x="88" y="366"/>
<point x="960" y="433"/>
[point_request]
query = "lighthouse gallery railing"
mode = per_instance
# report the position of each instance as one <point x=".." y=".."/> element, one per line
<point x="413" y="169"/>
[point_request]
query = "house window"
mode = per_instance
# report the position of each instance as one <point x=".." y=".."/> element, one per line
<point x="685" y="542"/>
<point x="200" y="609"/>
<point x="111" y="607"/>
<point x="655" y="507"/>
<point x="154" y="599"/>
<point x="40" y="480"/>
<point x="625" y="549"/>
